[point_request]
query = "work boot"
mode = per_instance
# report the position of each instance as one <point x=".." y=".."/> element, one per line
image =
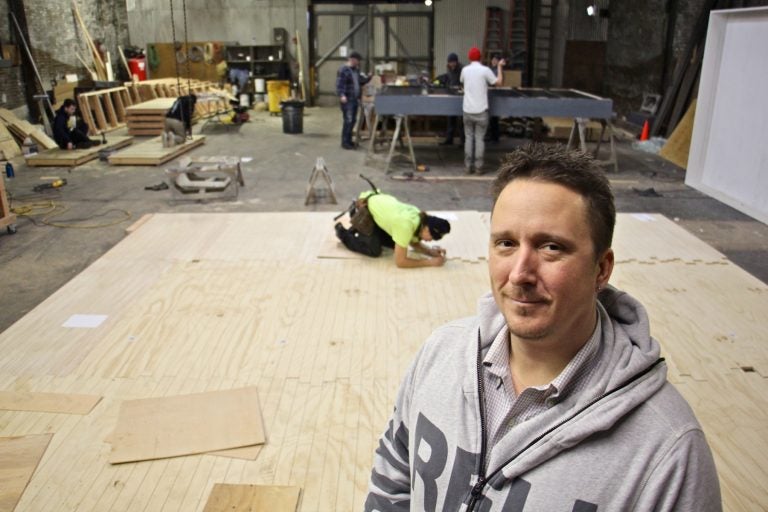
<point x="164" y="139"/>
<point x="341" y="232"/>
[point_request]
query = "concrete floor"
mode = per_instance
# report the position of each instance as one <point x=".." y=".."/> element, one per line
<point x="39" y="259"/>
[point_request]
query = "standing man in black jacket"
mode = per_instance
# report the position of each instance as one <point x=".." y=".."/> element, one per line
<point x="349" y="82"/>
<point x="452" y="80"/>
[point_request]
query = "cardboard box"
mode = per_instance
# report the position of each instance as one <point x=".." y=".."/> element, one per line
<point x="560" y="128"/>
<point x="513" y="78"/>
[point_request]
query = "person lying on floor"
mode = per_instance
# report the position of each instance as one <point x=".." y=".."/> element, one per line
<point x="397" y="225"/>
<point x="68" y="132"/>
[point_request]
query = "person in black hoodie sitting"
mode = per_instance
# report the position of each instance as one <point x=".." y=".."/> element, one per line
<point x="68" y="132"/>
<point x="178" y="120"/>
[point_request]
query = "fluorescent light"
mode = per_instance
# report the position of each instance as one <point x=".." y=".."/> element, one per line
<point x="591" y="10"/>
<point x="428" y="3"/>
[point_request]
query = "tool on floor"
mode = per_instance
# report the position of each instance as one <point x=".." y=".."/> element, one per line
<point x="48" y="186"/>
<point x="206" y="177"/>
<point x="320" y="172"/>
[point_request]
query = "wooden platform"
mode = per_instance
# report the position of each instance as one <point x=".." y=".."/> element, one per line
<point x="205" y="302"/>
<point x="152" y="152"/>
<point x="64" y="158"/>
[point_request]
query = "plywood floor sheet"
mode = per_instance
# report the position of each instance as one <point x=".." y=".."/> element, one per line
<point x="152" y="152"/>
<point x="199" y="302"/>
<point x="58" y="157"/>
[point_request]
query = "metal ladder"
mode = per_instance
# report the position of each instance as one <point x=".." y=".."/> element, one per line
<point x="517" y="38"/>
<point x="542" y="44"/>
<point x="494" y="33"/>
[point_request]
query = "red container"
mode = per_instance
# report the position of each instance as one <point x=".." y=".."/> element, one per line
<point x="138" y="68"/>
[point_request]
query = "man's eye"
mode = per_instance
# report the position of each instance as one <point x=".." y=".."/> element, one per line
<point x="552" y="247"/>
<point x="505" y="244"/>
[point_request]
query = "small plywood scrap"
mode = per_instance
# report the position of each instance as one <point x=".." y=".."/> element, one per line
<point x="679" y="144"/>
<point x="47" y="402"/>
<point x="157" y="428"/>
<point x="72" y="158"/>
<point x="253" y="498"/>
<point x="23" y="129"/>
<point x="152" y="152"/>
<point x="19" y="457"/>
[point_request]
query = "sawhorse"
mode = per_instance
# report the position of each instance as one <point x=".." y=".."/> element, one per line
<point x="580" y="128"/>
<point x="319" y="172"/>
<point x="401" y="128"/>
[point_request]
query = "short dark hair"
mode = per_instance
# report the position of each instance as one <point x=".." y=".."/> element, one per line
<point x="575" y="170"/>
<point x="355" y="55"/>
<point x="69" y="102"/>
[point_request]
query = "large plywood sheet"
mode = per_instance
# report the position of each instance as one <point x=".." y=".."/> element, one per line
<point x="152" y="152"/>
<point x="58" y="157"/>
<point x="156" y="428"/>
<point x="199" y="303"/>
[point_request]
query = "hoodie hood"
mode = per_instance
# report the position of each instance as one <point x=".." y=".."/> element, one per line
<point x="626" y="351"/>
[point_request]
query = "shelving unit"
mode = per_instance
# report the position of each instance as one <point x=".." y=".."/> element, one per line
<point x="262" y="61"/>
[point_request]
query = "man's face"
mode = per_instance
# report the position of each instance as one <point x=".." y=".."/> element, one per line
<point x="495" y="61"/>
<point x="425" y="234"/>
<point x="353" y="62"/>
<point x="452" y="64"/>
<point x="542" y="263"/>
<point x="70" y="110"/>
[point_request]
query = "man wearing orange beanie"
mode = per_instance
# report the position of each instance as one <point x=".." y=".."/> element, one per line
<point x="476" y="79"/>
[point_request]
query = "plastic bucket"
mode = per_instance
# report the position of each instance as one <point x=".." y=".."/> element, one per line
<point x="293" y="116"/>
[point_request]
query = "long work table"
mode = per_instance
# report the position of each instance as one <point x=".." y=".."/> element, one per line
<point x="401" y="102"/>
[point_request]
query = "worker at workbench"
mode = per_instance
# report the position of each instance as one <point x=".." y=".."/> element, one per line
<point x="178" y="120"/>
<point x="493" y="123"/>
<point x="452" y="80"/>
<point x="476" y="79"/>
<point x="68" y="132"/>
<point x="349" y="82"/>
<point x="397" y="225"/>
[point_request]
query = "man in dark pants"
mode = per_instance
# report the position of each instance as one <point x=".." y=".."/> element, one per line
<point x="493" y="123"/>
<point x="349" y="82"/>
<point x="397" y="225"/>
<point x="452" y="80"/>
<point x="68" y="132"/>
<point x="178" y="121"/>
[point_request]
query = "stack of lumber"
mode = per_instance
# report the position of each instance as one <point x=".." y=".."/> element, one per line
<point x="148" y="118"/>
<point x="105" y="110"/>
<point x="21" y="129"/>
<point x="8" y="147"/>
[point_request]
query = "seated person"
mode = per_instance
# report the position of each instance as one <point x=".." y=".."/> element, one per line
<point x="68" y="132"/>
<point x="178" y="120"/>
<point x="397" y="225"/>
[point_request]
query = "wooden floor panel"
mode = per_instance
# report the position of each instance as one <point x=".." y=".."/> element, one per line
<point x="206" y="302"/>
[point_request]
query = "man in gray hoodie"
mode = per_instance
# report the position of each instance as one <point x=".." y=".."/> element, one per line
<point x="552" y="398"/>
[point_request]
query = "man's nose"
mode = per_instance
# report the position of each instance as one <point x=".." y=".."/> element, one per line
<point x="523" y="267"/>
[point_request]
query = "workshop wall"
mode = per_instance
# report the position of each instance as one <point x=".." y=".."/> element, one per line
<point x="56" y="39"/>
<point x="11" y="82"/>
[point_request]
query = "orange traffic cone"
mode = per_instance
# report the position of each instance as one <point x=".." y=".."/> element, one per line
<point x="644" y="135"/>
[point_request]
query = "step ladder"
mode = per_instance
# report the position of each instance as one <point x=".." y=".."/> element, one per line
<point x="517" y="38"/>
<point x="541" y="75"/>
<point x="320" y="172"/>
<point x="494" y="33"/>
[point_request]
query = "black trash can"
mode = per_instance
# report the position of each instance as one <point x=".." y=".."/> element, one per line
<point x="293" y="116"/>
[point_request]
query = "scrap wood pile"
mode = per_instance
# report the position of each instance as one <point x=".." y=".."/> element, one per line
<point x="13" y="132"/>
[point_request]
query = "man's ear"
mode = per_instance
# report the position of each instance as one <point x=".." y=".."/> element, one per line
<point x="604" y="268"/>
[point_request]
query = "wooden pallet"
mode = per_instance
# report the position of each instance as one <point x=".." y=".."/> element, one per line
<point x="104" y="110"/>
<point x="72" y="158"/>
<point x="152" y="152"/>
<point x="22" y="129"/>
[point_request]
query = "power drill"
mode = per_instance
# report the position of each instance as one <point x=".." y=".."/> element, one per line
<point x="51" y="185"/>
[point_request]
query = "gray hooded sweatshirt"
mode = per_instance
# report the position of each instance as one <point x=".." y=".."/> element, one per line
<point x="627" y="441"/>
